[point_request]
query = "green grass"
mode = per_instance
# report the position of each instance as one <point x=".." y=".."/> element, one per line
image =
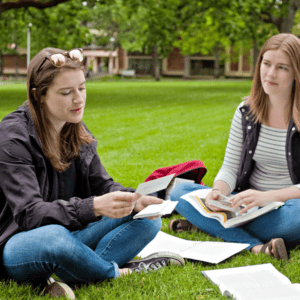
<point x="144" y="125"/>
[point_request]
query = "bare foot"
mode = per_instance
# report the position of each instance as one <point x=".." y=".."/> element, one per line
<point x="124" y="272"/>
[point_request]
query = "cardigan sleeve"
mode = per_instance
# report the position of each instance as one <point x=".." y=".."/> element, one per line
<point x="229" y="170"/>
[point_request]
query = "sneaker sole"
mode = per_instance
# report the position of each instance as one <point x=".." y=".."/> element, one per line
<point x="59" y="289"/>
<point x="175" y="259"/>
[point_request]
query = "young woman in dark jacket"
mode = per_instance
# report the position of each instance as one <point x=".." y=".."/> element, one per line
<point x="60" y="211"/>
<point x="262" y="161"/>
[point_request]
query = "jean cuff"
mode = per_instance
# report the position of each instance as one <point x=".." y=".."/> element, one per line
<point x="116" y="269"/>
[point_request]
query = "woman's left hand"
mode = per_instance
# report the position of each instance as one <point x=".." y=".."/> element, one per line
<point x="251" y="198"/>
<point x="144" y="201"/>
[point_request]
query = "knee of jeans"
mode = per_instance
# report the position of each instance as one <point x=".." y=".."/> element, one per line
<point x="50" y="241"/>
<point x="180" y="190"/>
<point x="56" y="242"/>
<point x="151" y="227"/>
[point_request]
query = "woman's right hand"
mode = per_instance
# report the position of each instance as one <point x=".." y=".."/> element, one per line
<point x="213" y="195"/>
<point x="115" y="204"/>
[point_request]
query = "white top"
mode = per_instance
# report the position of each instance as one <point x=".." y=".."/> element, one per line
<point x="270" y="171"/>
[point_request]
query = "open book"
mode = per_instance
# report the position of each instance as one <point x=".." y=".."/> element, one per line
<point x="150" y="187"/>
<point x="211" y="252"/>
<point x="260" y="282"/>
<point x="226" y="218"/>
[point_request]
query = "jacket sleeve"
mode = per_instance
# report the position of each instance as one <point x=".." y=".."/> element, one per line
<point x="19" y="183"/>
<point x="99" y="180"/>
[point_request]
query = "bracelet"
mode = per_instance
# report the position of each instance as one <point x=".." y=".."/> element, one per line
<point x="215" y="190"/>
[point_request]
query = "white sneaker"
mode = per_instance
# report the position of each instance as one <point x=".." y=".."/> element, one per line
<point x="155" y="261"/>
<point x="55" y="289"/>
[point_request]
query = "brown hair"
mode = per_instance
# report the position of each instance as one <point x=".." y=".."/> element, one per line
<point x="72" y="135"/>
<point x="290" y="44"/>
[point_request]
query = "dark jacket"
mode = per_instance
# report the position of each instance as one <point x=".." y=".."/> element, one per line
<point x="250" y="138"/>
<point x="27" y="181"/>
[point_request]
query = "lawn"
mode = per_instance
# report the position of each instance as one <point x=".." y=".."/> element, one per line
<point x="142" y="126"/>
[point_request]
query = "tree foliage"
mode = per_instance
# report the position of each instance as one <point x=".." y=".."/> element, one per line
<point x="59" y="27"/>
<point x="232" y="22"/>
<point x="12" y="32"/>
<point x="148" y="26"/>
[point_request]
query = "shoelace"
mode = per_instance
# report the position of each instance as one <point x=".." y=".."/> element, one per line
<point x="150" y="267"/>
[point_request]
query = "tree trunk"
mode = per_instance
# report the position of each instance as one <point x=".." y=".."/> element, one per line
<point x="217" y="61"/>
<point x="156" y="68"/>
<point x="16" y="60"/>
<point x="187" y="68"/>
<point x="285" y="25"/>
<point x="16" y="64"/>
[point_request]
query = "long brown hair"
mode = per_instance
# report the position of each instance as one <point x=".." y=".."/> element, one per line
<point x="258" y="99"/>
<point x="72" y="135"/>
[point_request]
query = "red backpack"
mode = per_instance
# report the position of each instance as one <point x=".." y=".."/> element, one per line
<point x="193" y="170"/>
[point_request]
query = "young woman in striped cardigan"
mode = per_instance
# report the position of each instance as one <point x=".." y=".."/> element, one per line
<point x="262" y="158"/>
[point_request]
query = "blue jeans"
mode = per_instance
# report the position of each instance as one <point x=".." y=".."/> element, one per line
<point x="88" y="255"/>
<point x="279" y="223"/>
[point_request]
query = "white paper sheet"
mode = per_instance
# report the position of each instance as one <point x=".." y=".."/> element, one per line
<point x="157" y="209"/>
<point x="211" y="252"/>
<point x="155" y="185"/>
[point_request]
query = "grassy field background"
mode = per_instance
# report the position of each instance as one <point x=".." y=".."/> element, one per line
<point x="142" y="126"/>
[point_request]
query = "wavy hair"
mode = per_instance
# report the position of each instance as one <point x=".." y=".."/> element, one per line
<point x="258" y="99"/>
<point x="72" y="135"/>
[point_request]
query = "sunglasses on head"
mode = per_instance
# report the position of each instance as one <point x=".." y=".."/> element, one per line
<point x="59" y="60"/>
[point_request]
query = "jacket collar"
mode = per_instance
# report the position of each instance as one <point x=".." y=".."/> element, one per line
<point x="31" y="129"/>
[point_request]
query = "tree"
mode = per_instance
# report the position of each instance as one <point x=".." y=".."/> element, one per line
<point x="281" y="14"/>
<point x="58" y="27"/>
<point x="232" y="21"/>
<point x="12" y="33"/>
<point x="148" y="26"/>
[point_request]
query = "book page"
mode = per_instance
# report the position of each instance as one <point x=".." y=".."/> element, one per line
<point x="239" y="220"/>
<point x="265" y="275"/>
<point x="154" y="185"/>
<point x="225" y="205"/>
<point x="157" y="209"/>
<point x="199" y="204"/>
<point x="279" y="292"/>
<point x="166" y="242"/>
<point x="212" y="252"/>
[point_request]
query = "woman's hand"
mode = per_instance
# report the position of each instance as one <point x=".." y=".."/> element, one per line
<point x="251" y="198"/>
<point x="116" y="204"/>
<point x="213" y="195"/>
<point x="144" y="201"/>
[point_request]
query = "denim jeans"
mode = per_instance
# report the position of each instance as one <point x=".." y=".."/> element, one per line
<point x="283" y="222"/>
<point x="89" y="255"/>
